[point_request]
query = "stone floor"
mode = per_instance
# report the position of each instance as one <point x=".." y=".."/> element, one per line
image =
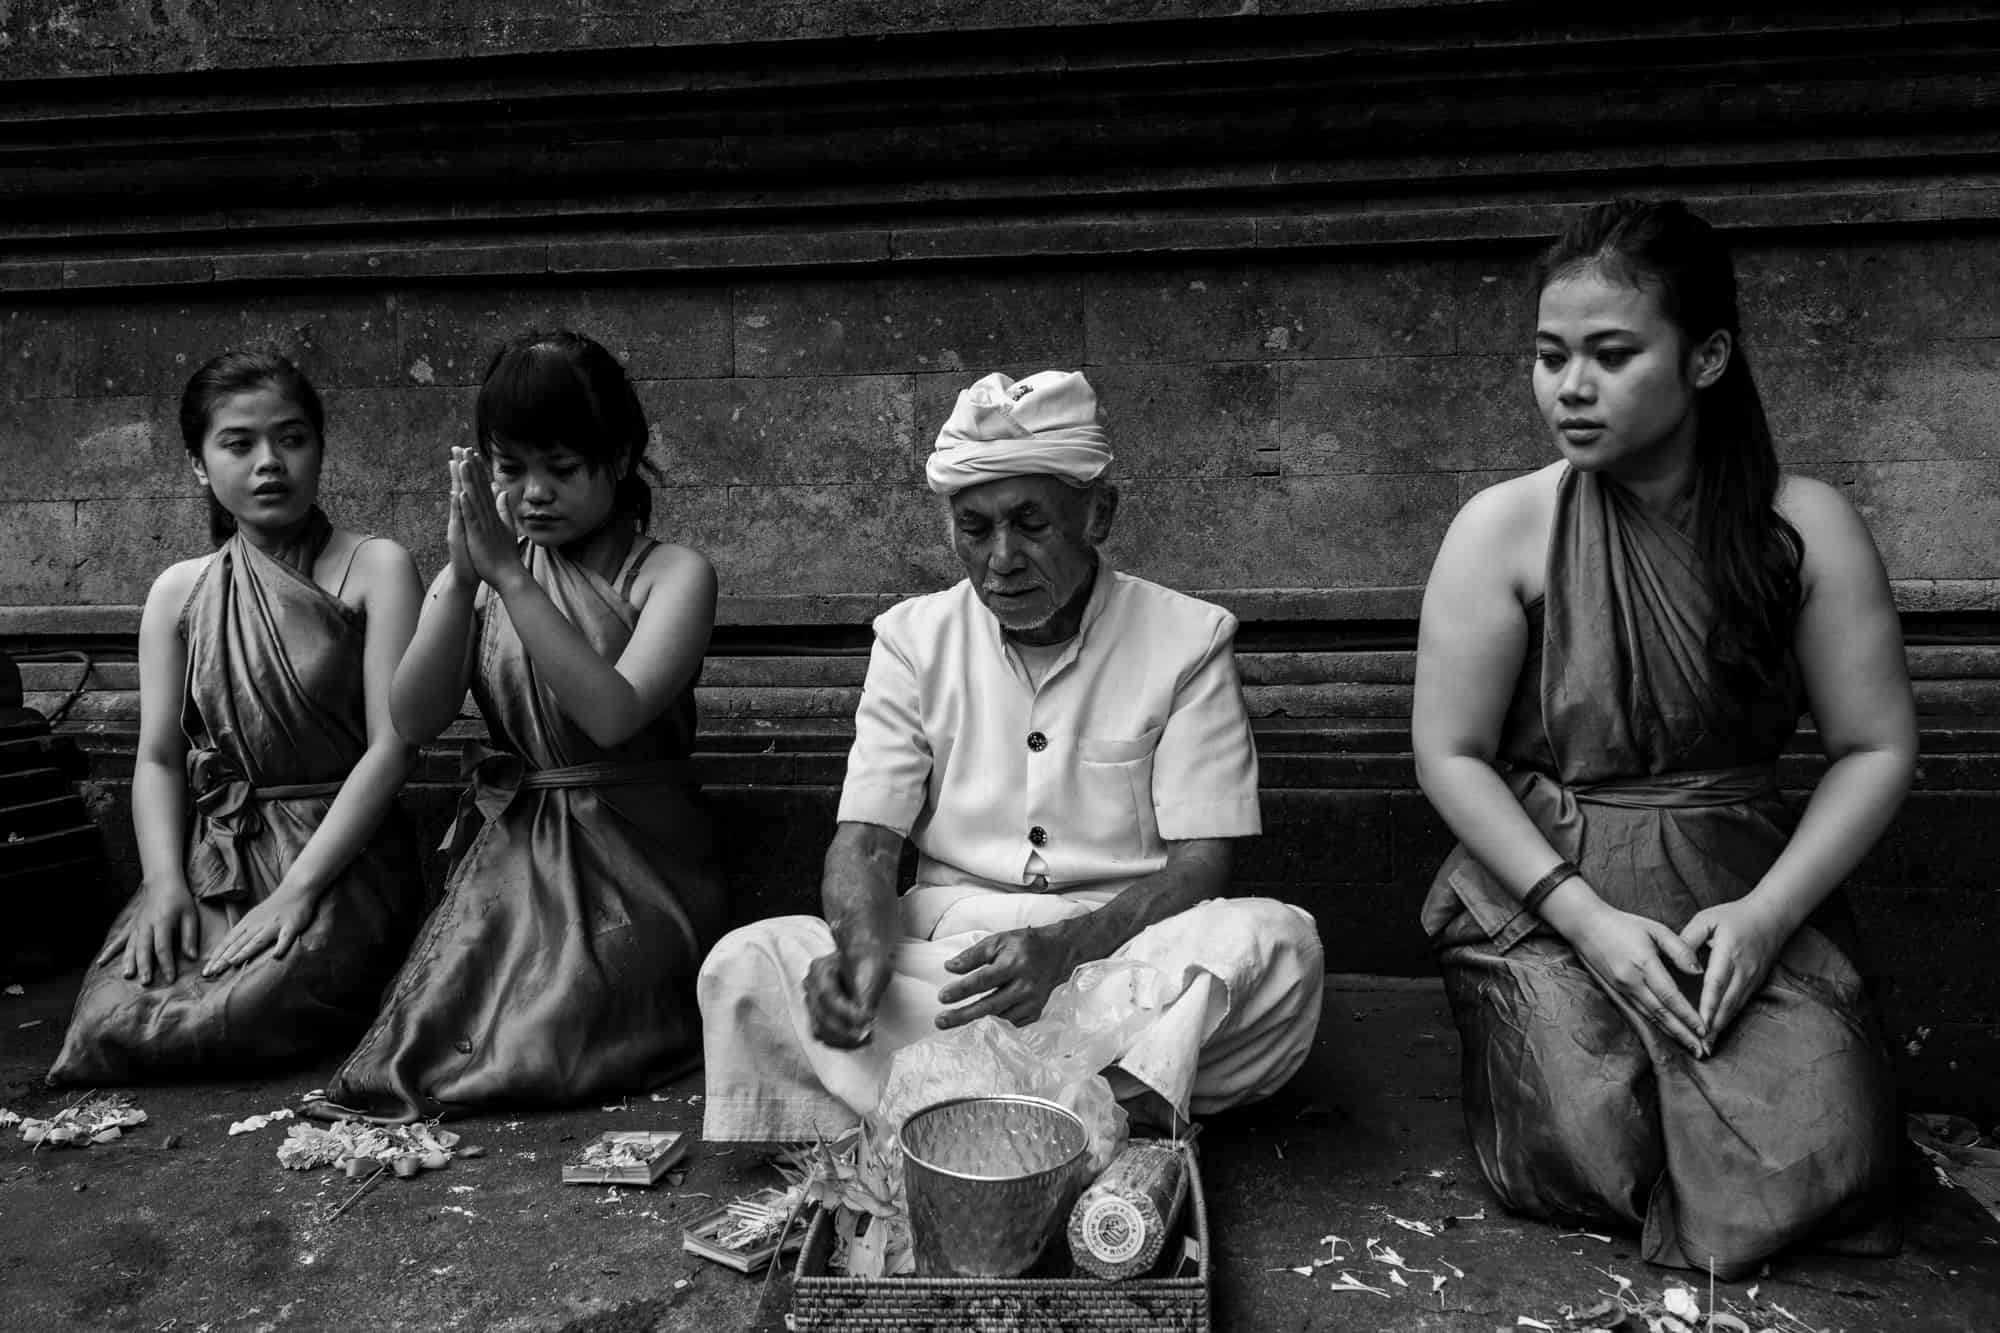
<point x="179" y="1227"/>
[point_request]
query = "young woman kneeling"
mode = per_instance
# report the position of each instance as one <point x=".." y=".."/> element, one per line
<point x="1651" y="968"/>
<point x="267" y="935"/>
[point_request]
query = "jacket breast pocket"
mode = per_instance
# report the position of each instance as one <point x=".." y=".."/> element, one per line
<point x="1115" y="790"/>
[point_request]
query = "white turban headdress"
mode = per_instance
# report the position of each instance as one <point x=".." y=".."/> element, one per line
<point x="1001" y="427"/>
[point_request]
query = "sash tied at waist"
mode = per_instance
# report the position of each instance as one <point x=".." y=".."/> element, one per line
<point x="1556" y="810"/>
<point x="1692" y="789"/>
<point x="495" y="777"/>
<point x="226" y="817"/>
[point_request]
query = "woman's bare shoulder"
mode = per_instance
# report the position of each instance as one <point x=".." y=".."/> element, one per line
<point x="1505" y="527"/>
<point x="679" y="569"/>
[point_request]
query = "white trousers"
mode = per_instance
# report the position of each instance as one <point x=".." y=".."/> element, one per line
<point x="1248" y="975"/>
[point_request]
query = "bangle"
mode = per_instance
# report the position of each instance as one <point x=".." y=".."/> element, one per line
<point x="1548" y="884"/>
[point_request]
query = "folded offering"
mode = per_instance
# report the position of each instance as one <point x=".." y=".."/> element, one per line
<point x="626" y="1157"/>
<point x="95" y="1119"/>
<point x="747" y="1233"/>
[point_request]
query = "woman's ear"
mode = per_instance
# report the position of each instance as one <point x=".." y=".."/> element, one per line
<point x="200" y="472"/>
<point x="1709" y="358"/>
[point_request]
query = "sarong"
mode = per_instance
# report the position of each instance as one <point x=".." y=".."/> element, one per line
<point x="1245" y="977"/>
<point x="560" y="966"/>
<point x="1618" y="748"/>
<point x="275" y="719"/>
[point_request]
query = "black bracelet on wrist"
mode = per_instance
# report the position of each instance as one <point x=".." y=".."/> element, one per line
<point x="1548" y="884"/>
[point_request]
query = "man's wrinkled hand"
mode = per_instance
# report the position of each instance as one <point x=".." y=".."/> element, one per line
<point x="842" y="994"/>
<point x="1012" y="971"/>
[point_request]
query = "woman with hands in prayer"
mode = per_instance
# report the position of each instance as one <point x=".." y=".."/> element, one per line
<point x="560" y="966"/>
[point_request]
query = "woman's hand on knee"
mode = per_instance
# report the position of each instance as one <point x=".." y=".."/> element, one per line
<point x="1630" y="956"/>
<point x="164" y="930"/>
<point x="1743" y="942"/>
<point x="274" y="924"/>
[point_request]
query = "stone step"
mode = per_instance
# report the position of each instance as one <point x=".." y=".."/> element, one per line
<point x="1933" y="662"/>
<point x="1948" y="698"/>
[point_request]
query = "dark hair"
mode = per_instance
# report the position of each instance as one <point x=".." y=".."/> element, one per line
<point x="1750" y="554"/>
<point x="224" y="377"/>
<point x="564" y="390"/>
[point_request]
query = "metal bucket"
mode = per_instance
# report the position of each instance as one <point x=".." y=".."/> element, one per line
<point x="990" y="1181"/>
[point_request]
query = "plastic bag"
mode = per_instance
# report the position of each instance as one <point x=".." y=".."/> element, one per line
<point x="1087" y="1023"/>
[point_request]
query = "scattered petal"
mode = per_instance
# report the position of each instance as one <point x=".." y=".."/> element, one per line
<point x="1523" y="1321"/>
<point x="1456" y="1271"/>
<point x="1588" y="1235"/>
<point x="1680" y="1303"/>
<point x="1437" y="1283"/>
<point x="1397" y="1278"/>
<point x="1348" y="1282"/>
<point x="1421" y="1228"/>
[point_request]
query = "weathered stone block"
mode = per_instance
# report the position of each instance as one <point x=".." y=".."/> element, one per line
<point x="150" y="347"/>
<point x="39" y="347"/>
<point x="1405" y="414"/>
<point x="845" y="429"/>
<point x="1930" y="519"/>
<point x="808" y="539"/>
<point x="1496" y="304"/>
<point x="1883" y="401"/>
<point x="145" y="271"/>
<point x="1794" y="297"/>
<point x="1357" y="531"/>
<point x="37" y="551"/>
<point x="338" y="338"/>
<point x="394" y="439"/>
<point x="1190" y="421"/>
<point x="658" y="332"/>
<point x="146" y="348"/>
<point x="935" y="323"/>
<point x="122" y="545"/>
<point x="346" y="263"/>
<point x="777" y="248"/>
<point x="69" y="448"/>
<point x="1274" y="311"/>
<point x="1925" y="287"/>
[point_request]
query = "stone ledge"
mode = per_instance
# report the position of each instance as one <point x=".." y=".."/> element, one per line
<point x="1252" y="606"/>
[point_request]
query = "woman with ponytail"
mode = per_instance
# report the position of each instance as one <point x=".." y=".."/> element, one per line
<point x="560" y="966"/>
<point x="280" y="879"/>
<point x="1649" y="962"/>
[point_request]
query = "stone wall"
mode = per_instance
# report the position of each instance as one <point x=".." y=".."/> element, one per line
<point x="1307" y="423"/>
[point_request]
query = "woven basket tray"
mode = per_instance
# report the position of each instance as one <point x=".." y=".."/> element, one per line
<point x="825" y="1304"/>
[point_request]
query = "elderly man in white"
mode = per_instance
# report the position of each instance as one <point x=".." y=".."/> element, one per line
<point x="1068" y="748"/>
